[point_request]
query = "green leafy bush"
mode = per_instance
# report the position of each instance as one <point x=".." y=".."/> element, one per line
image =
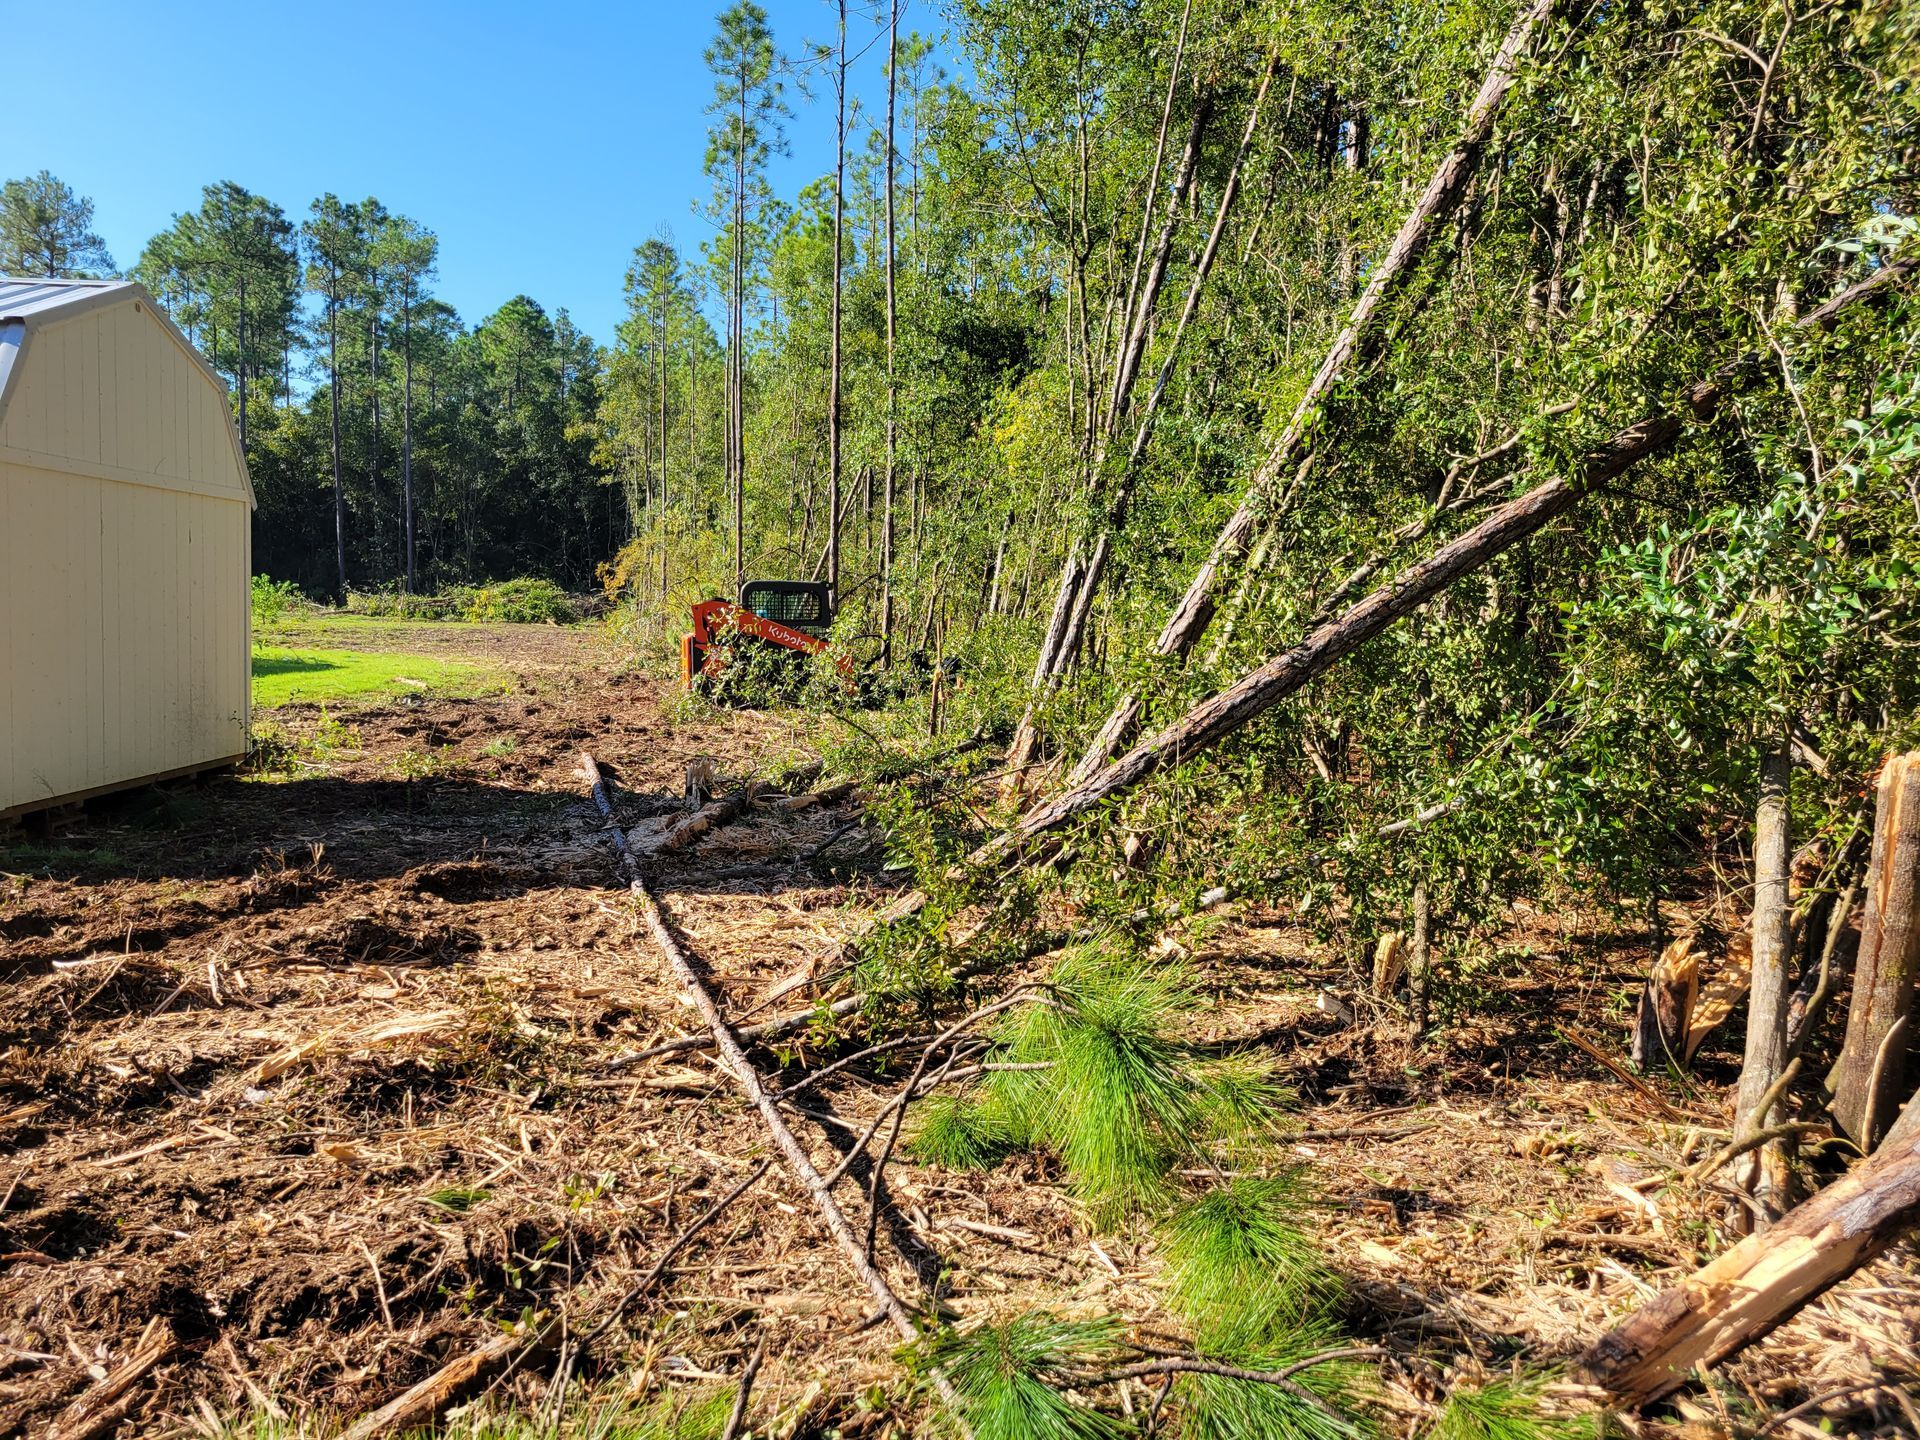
<point x="275" y="599"/>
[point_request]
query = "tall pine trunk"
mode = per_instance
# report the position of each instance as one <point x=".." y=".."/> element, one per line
<point x="406" y="427"/>
<point x="333" y="409"/>
<point x="833" y="378"/>
<point x="893" y="389"/>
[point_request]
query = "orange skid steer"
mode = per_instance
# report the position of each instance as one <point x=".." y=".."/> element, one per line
<point x="791" y="615"/>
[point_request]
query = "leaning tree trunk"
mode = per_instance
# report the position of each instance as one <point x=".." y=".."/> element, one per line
<point x="1443" y="191"/>
<point x="1764" y="1280"/>
<point x="1875" y="1062"/>
<point x="1764" y="1173"/>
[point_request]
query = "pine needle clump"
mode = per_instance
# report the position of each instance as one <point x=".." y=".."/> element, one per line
<point x="1117" y="1093"/>
<point x="1505" y="1408"/>
<point x="1009" y="1375"/>
<point x="1241" y="1262"/>
<point x="957" y="1132"/>
<point x="1218" y="1407"/>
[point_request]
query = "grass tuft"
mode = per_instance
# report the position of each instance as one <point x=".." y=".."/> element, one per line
<point x="1006" y="1375"/>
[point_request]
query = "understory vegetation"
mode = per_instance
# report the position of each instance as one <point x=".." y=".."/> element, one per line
<point x="1402" y="468"/>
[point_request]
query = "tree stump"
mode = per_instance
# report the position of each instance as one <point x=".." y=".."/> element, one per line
<point x="1875" y="1068"/>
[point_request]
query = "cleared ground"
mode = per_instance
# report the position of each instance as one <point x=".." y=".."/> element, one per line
<point x="331" y="1065"/>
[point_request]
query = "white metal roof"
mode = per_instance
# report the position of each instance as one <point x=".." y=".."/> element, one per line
<point x="28" y="302"/>
<point x="29" y="299"/>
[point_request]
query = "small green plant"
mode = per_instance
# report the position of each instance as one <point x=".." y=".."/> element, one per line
<point x="1008" y="1376"/>
<point x="274" y="600"/>
<point x="426" y="764"/>
<point x="1504" y="1408"/>
<point x="271" y="751"/>
<point x="457" y="1199"/>
<point x="501" y="748"/>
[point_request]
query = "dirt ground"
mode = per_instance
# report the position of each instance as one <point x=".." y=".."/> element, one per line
<point x="331" y="1065"/>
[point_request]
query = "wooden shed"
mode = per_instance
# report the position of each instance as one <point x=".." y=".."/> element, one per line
<point x="125" y="547"/>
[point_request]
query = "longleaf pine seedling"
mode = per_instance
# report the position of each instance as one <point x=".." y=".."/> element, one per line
<point x="1008" y="1376"/>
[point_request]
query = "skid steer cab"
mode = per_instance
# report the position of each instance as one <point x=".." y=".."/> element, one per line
<point x="780" y="616"/>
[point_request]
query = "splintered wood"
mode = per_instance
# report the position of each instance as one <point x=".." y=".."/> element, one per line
<point x="1760" y="1282"/>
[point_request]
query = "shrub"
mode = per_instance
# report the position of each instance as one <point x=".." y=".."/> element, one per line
<point x="525" y="601"/>
<point x="275" y="599"/>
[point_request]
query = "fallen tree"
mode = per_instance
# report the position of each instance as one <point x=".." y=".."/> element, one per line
<point x="734" y="1059"/>
<point x="1227" y="711"/>
<point x="1444" y="190"/>
<point x="1764" y="1280"/>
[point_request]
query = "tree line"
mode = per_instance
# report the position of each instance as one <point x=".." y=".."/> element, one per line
<point x="390" y="442"/>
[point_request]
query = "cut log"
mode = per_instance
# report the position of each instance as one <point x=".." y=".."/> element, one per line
<point x="1762" y="1281"/>
<point x="1666" y="1008"/>
<point x="710" y="817"/>
<point x="424" y="1403"/>
<point x="1875" y="1063"/>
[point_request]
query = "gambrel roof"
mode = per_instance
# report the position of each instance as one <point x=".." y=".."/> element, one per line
<point x="28" y="304"/>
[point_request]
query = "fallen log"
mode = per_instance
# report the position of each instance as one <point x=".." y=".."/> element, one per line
<point x="734" y="1059"/>
<point x="1762" y="1281"/>
<point x="101" y="1409"/>
<point x="425" y="1402"/>
<point x="684" y="831"/>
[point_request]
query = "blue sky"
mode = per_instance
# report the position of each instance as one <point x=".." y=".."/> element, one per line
<point x="541" y="141"/>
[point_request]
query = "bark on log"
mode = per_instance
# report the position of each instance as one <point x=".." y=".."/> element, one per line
<point x="1443" y="191"/>
<point x="1765" y="1174"/>
<point x="1666" y="1008"/>
<point x="689" y="828"/>
<point x="734" y="1059"/>
<point x="1884" y="975"/>
<point x="1762" y="1281"/>
<point x="451" y="1383"/>
<point x="1420" y="960"/>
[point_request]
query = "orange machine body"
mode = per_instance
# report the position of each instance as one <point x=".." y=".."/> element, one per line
<point x="716" y="622"/>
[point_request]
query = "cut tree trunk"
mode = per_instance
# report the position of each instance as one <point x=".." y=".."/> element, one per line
<point x="1875" y="1065"/>
<point x="1666" y="1008"/>
<point x="1762" y="1281"/>
<point x="1765" y="1173"/>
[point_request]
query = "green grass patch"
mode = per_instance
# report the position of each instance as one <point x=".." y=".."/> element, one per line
<point x="284" y="673"/>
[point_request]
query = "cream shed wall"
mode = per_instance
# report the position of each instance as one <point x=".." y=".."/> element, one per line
<point x="125" y="548"/>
